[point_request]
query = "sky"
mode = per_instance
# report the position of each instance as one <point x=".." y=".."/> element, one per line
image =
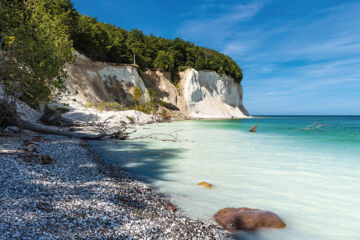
<point x="298" y="57"/>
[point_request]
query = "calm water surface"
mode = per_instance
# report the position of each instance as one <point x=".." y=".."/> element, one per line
<point x="304" y="168"/>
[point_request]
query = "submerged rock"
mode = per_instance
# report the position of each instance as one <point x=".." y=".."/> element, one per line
<point x="205" y="184"/>
<point x="234" y="219"/>
<point x="253" y="129"/>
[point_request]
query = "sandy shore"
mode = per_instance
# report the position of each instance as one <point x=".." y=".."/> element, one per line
<point x="79" y="196"/>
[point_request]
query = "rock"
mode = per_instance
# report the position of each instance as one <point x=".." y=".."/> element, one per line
<point x="205" y="184"/>
<point x="46" y="160"/>
<point x="170" y="207"/>
<point x="253" y="129"/>
<point x="234" y="219"/>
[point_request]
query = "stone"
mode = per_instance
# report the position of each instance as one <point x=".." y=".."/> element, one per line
<point x="170" y="207"/>
<point x="205" y="184"/>
<point x="253" y="129"/>
<point x="138" y="191"/>
<point x="46" y="160"/>
<point x="234" y="219"/>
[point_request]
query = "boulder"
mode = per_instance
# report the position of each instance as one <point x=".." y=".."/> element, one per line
<point x="234" y="219"/>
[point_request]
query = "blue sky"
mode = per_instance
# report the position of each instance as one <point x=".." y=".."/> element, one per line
<point x="298" y="57"/>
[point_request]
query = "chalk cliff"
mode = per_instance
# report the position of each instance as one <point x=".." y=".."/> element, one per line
<point x="199" y="94"/>
<point x="210" y="95"/>
<point x="99" y="81"/>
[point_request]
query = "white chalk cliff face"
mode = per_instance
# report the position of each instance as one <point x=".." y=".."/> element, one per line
<point x="199" y="94"/>
<point x="210" y="95"/>
<point x="99" y="81"/>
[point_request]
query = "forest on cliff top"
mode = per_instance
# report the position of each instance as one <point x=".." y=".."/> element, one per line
<point x="38" y="38"/>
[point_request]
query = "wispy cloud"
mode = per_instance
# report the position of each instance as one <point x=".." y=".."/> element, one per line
<point x="216" y="22"/>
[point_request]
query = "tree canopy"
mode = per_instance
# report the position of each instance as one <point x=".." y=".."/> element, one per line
<point x="106" y="42"/>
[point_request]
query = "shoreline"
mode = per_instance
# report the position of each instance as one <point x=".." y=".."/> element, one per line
<point x="83" y="196"/>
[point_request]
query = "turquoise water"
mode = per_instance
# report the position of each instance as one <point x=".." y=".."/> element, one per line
<point x="305" y="169"/>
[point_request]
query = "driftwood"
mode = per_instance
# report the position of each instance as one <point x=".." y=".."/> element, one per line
<point x="35" y="128"/>
<point x="9" y="117"/>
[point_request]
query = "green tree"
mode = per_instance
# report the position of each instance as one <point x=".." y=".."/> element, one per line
<point x="91" y="38"/>
<point x="135" y="42"/>
<point x="164" y="61"/>
<point x="39" y="35"/>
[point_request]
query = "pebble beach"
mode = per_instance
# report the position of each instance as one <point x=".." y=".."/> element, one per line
<point x="55" y="187"/>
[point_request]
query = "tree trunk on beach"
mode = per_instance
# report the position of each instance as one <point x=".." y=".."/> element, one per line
<point x="9" y="117"/>
<point x="33" y="127"/>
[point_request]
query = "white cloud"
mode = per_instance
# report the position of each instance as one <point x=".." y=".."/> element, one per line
<point x="220" y="26"/>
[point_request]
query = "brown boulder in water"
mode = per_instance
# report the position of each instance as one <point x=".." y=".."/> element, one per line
<point x="253" y="129"/>
<point x="234" y="219"/>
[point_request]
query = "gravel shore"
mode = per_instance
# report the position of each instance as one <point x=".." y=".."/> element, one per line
<point x="54" y="187"/>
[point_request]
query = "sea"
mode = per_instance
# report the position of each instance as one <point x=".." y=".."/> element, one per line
<point x="306" y="169"/>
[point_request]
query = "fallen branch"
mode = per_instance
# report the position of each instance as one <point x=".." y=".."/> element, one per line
<point x="173" y="137"/>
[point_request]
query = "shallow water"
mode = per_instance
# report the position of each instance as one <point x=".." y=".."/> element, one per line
<point x="305" y="169"/>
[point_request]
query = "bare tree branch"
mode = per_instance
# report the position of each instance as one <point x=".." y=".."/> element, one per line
<point x="172" y="137"/>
